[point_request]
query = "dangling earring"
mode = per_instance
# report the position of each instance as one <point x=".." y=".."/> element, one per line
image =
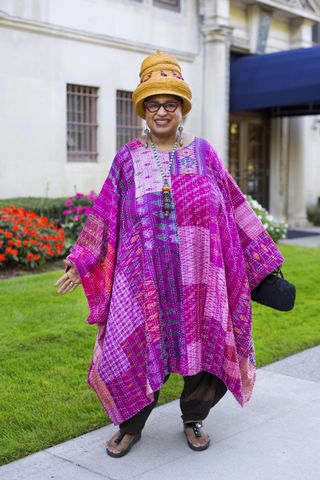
<point x="180" y="128"/>
<point x="147" y="133"/>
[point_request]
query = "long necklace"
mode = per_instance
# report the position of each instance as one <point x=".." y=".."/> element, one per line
<point x="166" y="190"/>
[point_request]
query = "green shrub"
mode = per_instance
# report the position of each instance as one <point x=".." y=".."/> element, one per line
<point x="313" y="214"/>
<point x="70" y="213"/>
<point x="51" y="208"/>
<point x="276" y="229"/>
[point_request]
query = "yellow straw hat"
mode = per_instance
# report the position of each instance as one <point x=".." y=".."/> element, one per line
<point x="161" y="74"/>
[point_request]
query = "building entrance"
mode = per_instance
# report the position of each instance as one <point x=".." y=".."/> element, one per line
<point x="249" y="137"/>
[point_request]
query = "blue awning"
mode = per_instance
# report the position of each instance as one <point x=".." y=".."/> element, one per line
<point x="287" y="81"/>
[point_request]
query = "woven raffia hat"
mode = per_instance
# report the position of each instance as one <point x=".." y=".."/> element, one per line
<point x="161" y="74"/>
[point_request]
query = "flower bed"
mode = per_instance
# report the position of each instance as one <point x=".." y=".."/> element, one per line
<point x="28" y="239"/>
<point x="79" y="206"/>
<point x="276" y="229"/>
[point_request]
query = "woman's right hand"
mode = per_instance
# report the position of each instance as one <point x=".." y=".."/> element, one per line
<point x="69" y="280"/>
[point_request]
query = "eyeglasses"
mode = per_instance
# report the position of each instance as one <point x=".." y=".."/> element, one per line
<point x="152" y="106"/>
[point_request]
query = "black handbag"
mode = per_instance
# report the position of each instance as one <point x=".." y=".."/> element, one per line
<point x="275" y="292"/>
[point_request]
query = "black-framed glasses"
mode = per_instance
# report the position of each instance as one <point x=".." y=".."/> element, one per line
<point x="153" y="106"/>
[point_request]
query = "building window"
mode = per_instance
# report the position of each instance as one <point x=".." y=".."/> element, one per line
<point x="82" y="123"/>
<point x="129" y="125"/>
<point x="169" y="4"/>
<point x="316" y="33"/>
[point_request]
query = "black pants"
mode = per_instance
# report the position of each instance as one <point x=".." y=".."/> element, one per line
<point x="200" y="393"/>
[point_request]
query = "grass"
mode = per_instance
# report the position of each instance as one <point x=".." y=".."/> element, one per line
<point x="46" y="350"/>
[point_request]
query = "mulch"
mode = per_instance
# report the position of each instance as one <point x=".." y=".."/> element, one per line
<point x="12" y="271"/>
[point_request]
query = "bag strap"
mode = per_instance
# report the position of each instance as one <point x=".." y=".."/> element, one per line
<point x="278" y="272"/>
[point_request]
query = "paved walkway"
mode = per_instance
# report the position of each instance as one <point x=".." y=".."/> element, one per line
<point x="276" y="436"/>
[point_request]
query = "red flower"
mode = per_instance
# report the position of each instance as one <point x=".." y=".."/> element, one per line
<point x="11" y="251"/>
<point x="2" y="257"/>
<point x="8" y="234"/>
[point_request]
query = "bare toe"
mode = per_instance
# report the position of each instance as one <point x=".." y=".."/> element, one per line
<point x="196" y="436"/>
<point x="114" y="447"/>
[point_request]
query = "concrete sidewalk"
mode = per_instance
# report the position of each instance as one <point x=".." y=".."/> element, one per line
<point x="276" y="436"/>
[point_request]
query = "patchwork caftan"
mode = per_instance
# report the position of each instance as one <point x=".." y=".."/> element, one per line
<point x="170" y="293"/>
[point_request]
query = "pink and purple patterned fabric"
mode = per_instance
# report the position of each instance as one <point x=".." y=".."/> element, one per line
<point x="170" y="294"/>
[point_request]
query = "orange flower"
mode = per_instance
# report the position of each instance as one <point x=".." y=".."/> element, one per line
<point x="25" y="243"/>
<point x="1" y="230"/>
<point x="15" y="228"/>
<point x="8" y="234"/>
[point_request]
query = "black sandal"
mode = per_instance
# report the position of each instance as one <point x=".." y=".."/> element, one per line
<point x="135" y="439"/>
<point x="196" y="429"/>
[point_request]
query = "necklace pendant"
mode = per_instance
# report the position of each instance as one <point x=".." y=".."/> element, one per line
<point x="166" y="189"/>
<point x="166" y="195"/>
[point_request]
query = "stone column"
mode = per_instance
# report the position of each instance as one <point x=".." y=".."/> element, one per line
<point x="217" y="33"/>
<point x="287" y="170"/>
<point x="278" y="190"/>
<point x="298" y="138"/>
<point x="296" y="213"/>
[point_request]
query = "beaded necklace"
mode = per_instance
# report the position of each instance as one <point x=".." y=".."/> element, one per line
<point x="166" y="190"/>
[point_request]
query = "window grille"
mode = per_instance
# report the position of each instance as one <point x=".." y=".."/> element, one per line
<point x="82" y="123"/>
<point x="129" y="125"/>
<point x="169" y="4"/>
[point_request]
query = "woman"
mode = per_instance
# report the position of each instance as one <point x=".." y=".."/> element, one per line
<point x="167" y="260"/>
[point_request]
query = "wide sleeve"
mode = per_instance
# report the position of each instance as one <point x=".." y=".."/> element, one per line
<point x="260" y="252"/>
<point x="94" y="253"/>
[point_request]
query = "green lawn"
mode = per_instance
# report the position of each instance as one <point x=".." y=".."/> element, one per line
<point x="46" y="349"/>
